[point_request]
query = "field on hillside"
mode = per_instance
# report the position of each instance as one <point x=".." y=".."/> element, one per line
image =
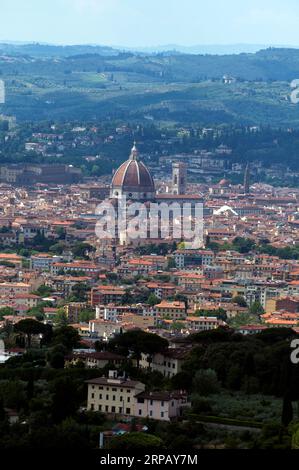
<point x="177" y="89"/>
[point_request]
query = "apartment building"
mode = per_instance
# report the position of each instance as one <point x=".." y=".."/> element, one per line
<point x="73" y="311"/>
<point x="193" y="258"/>
<point x="14" y="288"/>
<point x="173" y="310"/>
<point x="113" y="395"/>
<point x="202" y="323"/>
<point x="125" y="397"/>
<point x="87" y="268"/>
<point x="106" y="295"/>
<point x="162" y="406"/>
<point x="168" y="363"/>
<point x="103" y="329"/>
<point x="43" y="261"/>
<point x="95" y="360"/>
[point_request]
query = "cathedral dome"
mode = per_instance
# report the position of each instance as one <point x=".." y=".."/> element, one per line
<point x="133" y="180"/>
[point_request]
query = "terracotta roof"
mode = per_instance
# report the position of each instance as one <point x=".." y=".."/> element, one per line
<point x="116" y="383"/>
<point x="162" y="395"/>
<point x="133" y="175"/>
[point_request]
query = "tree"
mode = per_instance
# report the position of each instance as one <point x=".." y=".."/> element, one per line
<point x="182" y="298"/>
<point x="30" y="388"/>
<point x="57" y="360"/>
<point x="127" y="297"/>
<point x="7" y="311"/>
<point x="79" y="292"/>
<point x="240" y="300"/>
<point x="81" y="250"/>
<point x="242" y="319"/>
<point x="13" y="394"/>
<point x="243" y="245"/>
<point x="65" y="398"/>
<point x="287" y="410"/>
<point x="136" y="441"/>
<point x="66" y="336"/>
<point x="205" y="382"/>
<point x="295" y="437"/>
<point x="177" y="325"/>
<point x="44" y="291"/>
<point x="37" y="312"/>
<point x="29" y="328"/>
<point x="153" y="300"/>
<point x="61" y="318"/>
<point x="257" y="309"/>
<point x="86" y="315"/>
<point x="136" y="342"/>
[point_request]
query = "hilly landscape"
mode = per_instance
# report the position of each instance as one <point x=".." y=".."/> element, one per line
<point x="45" y="82"/>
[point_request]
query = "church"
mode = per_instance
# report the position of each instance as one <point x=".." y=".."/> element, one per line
<point x="133" y="180"/>
<point x="133" y="183"/>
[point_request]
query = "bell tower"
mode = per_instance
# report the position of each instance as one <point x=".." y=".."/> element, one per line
<point x="179" y="178"/>
<point x="247" y="179"/>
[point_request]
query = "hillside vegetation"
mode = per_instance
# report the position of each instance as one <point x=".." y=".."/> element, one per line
<point x="48" y="82"/>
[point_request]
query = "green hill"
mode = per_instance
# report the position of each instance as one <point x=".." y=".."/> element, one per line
<point x="49" y="82"/>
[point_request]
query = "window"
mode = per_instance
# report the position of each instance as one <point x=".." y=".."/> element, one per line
<point x="120" y="410"/>
<point x="92" y="395"/>
<point x="128" y="411"/>
<point x="106" y="408"/>
<point x="92" y="407"/>
<point x="140" y="400"/>
<point x="100" y="407"/>
<point x="121" y="398"/>
<point x="162" y="414"/>
<point x="151" y="413"/>
<point x="151" y="402"/>
<point x="129" y="399"/>
<point x="114" y="390"/>
<point x="162" y="403"/>
<point x="107" y="397"/>
<point x="113" y="398"/>
<point x="140" y="412"/>
<point x="113" y="409"/>
<point x="101" y="396"/>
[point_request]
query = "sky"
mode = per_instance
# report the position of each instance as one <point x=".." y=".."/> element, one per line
<point x="146" y="23"/>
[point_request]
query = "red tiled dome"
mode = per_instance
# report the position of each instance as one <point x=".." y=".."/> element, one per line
<point x="133" y="176"/>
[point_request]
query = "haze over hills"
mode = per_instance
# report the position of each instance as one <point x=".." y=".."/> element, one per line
<point x="214" y="49"/>
<point x="41" y="49"/>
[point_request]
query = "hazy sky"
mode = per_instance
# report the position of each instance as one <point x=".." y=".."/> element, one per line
<point x="151" y="22"/>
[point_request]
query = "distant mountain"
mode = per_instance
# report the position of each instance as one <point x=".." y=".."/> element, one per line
<point x="213" y="49"/>
<point x="38" y="50"/>
<point x="49" y="50"/>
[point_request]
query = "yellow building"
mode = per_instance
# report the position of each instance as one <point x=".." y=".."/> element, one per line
<point x="173" y="310"/>
<point x="113" y="395"/>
